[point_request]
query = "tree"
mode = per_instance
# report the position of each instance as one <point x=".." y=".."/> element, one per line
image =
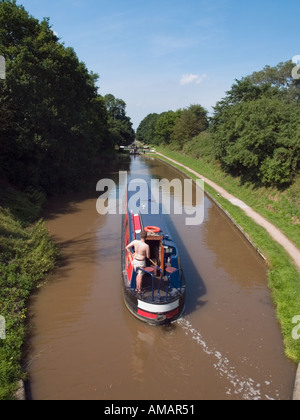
<point x="53" y="123"/>
<point x="146" y="130"/>
<point x="116" y="108"/>
<point x="256" y="126"/>
<point x="165" y="126"/>
<point x="260" y="140"/>
<point x="175" y="128"/>
<point x="190" y="123"/>
<point x="243" y="90"/>
<point x="120" y="126"/>
<point x="279" y="77"/>
<point x="272" y="82"/>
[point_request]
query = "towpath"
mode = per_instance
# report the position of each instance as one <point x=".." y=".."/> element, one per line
<point x="273" y="231"/>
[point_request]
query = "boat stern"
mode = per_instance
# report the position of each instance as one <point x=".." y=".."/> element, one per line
<point x="155" y="313"/>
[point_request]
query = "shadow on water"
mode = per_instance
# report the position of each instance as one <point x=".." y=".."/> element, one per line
<point x="67" y="203"/>
<point x="196" y="288"/>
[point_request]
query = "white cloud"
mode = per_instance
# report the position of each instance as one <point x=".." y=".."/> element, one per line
<point x="192" y="78"/>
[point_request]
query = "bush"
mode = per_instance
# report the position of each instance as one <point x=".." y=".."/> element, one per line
<point x="200" y="147"/>
<point x="279" y="169"/>
<point x="26" y="255"/>
<point x="260" y="140"/>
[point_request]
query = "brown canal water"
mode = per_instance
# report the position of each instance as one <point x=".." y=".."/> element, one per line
<point x="85" y="345"/>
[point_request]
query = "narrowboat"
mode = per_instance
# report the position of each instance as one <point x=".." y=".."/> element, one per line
<point x="162" y="299"/>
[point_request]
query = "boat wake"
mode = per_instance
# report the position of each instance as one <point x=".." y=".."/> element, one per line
<point x="245" y="387"/>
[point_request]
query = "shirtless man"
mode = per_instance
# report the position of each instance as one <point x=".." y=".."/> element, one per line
<point x="142" y="251"/>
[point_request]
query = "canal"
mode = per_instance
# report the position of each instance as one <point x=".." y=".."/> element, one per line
<point x="85" y="345"/>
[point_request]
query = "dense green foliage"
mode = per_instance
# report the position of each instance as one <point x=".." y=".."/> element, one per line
<point x="260" y="140"/>
<point x="164" y="128"/>
<point x="146" y="129"/>
<point x="191" y="122"/>
<point x="120" y="126"/>
<point x="173" y="128"/>
<point x="53" y="122"/>
<point x="256" y="127"/>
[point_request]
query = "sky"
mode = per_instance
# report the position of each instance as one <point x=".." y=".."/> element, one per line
<point x="161" y="55"/>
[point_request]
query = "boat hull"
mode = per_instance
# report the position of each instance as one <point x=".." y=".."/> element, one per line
<point x="154" y="313"/>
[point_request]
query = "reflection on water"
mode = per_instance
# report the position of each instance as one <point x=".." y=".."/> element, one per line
<point x="86" y="345"/>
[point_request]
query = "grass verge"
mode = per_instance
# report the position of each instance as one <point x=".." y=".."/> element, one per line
<point x="284" y="279"/>
<point x="26" y="255"/>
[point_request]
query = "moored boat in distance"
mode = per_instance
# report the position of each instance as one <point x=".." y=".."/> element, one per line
<point x="163" y="290"/>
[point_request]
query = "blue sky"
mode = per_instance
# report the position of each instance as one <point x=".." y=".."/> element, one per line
<point x="160" y="55"/>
